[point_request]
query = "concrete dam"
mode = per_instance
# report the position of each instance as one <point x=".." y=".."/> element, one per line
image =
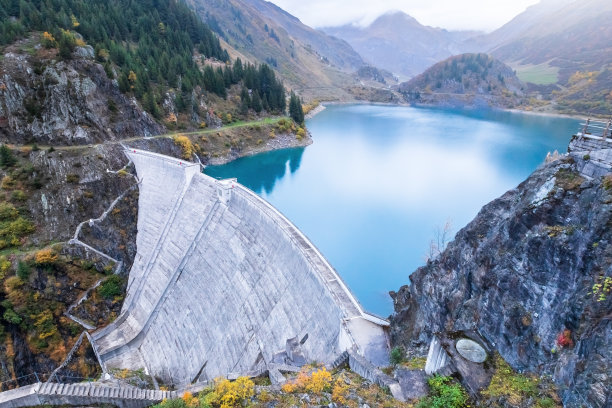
<point x="224" y="284"/>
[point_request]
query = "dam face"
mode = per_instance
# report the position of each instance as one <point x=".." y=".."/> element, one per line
<point x="222" y="281"/>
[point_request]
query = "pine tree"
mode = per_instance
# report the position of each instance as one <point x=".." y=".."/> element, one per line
<point x="295" y="108"/>
<point x="7" y="159"/>
<point x="256" y="102"/>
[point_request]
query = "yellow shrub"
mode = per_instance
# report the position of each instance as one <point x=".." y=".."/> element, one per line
<point x="185" y="145"/>
<point x="190" y="400"/>
<point x="8" y="182"/>
<point x="13" y="283"/>
<point x="48" y="40"/>
<point x="5" y="265"/>
<point x="320" y="380"/>
<point x="229" y="394"/>
<point x="316" y="382"/>
<point x="172" y="118"/>
<point x="46" y="257"/>
<point x="264" y="396"/>
<point x="300" y="133"/>
<point x="44" y="324"/>
<point x="340" y="392"/>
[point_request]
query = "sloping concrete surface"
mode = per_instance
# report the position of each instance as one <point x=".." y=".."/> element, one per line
<point x="222" y="280"/>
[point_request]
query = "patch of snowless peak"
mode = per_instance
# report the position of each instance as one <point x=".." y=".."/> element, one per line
<point x="222" y="282"/>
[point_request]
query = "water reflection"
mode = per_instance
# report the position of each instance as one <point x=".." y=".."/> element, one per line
<point x="271" y="167"/>
<point x="378" y="180"/>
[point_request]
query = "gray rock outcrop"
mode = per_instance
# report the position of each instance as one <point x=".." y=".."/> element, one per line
<point x="522" y="274"/>
<point x="64" y="103"/>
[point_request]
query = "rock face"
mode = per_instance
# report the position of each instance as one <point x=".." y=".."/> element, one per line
<point x="222" y="283"/>
<point x="57" y="103"/>
<point x="521" y="274"/>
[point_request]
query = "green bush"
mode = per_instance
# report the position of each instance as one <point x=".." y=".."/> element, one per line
<point x="19" y="195"/>
<point x="12" y="317"/>
<point x="445" y="393"/>
<point x="8" y="212"/>
<point x="23" y="270"/>
<point x="111" y="287"/>
<point x="396" y="356"/>
<point x="172" y="403"/>
<point x="7" y="159"/>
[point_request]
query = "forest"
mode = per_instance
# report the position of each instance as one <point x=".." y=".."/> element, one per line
<point x="149" y="46"/>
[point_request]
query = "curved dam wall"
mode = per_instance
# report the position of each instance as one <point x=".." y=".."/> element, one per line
<point x="222" y="281"/>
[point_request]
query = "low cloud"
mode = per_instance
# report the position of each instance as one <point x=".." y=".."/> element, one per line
<point x="484" y="15"/>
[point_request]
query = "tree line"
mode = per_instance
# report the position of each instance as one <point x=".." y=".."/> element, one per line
<point x="147" y="45"/>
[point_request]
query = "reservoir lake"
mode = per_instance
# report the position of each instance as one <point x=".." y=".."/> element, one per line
<point x="378" y="182"/>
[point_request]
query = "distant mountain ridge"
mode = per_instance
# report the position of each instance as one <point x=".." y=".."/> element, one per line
<point x="571" y="34"/>
<point x="311" y="62"/>
<point x="398" y="43"/>
<point x="467" y="79"/>
<point x="337" y="51"/>
<point x="568" y="40"/>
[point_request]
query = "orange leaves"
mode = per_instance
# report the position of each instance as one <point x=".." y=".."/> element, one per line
<point x="46" y="257"/>
<point x="316" y="382"/>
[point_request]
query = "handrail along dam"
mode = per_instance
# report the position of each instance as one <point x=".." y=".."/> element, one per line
<point x="222" y="281"/>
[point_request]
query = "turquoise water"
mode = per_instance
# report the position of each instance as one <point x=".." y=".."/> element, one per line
<point x="380" y="180"/>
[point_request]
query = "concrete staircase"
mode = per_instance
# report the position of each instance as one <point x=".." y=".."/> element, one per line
<point x="82" y="394"/>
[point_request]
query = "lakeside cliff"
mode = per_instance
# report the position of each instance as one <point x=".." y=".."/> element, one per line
<point x="528" y="276"/>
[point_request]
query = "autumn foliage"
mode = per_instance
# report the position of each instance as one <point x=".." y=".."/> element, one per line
<point x="186" y="146"/>
<point x="564" y="339"/>
<point x="315" y="382"/>
<point x="46" y="257"/>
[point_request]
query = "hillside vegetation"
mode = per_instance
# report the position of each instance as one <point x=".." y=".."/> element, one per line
<point x="159" y="52"/>
<point x="466" y="79"/>
<point x="570" y="42"/>
<point x="311" y="63"/>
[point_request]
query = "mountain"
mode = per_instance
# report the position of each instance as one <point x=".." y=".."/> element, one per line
<point x="467" y="79"/>
<point x="571" y="35"/>
<point x="338" y="52"/>
<point x="312" y="63"/>
<point x="563" y="48"/>
<point x="399" y="43"/>
<point x="516" y="27"/>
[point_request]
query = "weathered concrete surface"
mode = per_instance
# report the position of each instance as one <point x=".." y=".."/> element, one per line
<point x="593" y="155"/>
<point x="222" y="280"/>
<point x="470" y="350"/>
<point x="82" y="394"/>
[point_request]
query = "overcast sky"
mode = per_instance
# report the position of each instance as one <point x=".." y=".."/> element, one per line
<point x="451" y="14"/>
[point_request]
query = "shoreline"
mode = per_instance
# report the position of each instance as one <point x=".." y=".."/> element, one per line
<point x="287" y="141"/>
<point x="280" y="142"/>
<point x="324" y="104"/>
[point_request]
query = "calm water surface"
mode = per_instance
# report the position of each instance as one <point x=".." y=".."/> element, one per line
<point x="379" y="180"/>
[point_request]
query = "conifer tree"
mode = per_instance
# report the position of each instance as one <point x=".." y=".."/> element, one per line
<point x="295" y="108"/>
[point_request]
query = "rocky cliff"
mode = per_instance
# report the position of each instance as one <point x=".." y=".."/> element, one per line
<point x="522" y="275"/>
<point x="48" y="101"/>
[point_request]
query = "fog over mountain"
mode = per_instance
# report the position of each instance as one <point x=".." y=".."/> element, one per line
<point x="399" y="43"/>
